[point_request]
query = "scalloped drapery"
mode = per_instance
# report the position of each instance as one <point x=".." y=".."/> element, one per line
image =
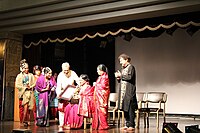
<point x="121" y="30"/>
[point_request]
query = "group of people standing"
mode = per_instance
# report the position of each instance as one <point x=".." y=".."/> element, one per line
<point x="89" y="101"/>
<point x="36" y="91"/>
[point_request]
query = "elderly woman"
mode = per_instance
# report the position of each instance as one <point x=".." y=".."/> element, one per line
<point x="25" y="82"/>
<point x="101" y="95"/>
<point x="86" y="97"/>
<point x="45" y="85"/>
<point x="80" y="105"/>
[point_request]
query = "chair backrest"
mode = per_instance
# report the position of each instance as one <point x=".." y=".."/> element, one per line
<point x="113" y="97"/>
<point x="141" y="98"/>
<point x="156" y="97"/>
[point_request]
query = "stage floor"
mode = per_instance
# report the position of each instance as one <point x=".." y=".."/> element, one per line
<point x="8" y="126"/>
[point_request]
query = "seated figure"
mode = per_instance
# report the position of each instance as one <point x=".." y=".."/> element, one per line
<point x="80" y="105"/>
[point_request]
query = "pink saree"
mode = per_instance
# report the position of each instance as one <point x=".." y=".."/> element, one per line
<point x="86" y="101"/>
<point x="101" y="95"/>
<point x="71" y="118"/>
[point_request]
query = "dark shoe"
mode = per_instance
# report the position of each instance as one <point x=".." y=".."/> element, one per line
<point x="25" y="124"/>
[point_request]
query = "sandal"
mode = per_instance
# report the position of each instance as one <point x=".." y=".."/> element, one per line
<point x="25" y="124"/>
<point x="21" y="124"/>
<point x="66" y="127"/>
<point x="130" y="129"/>
<point x="28" y="123"/>
<point x="124" y="128"/>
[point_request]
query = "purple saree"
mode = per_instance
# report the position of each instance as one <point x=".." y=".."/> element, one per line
<point x="43" y="97"/>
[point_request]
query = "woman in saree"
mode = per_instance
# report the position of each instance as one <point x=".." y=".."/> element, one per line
<point x="45" y="85"/>
<point x="71" y="118"/>
<point x="25" y="82"/>
<point x="54" y="103"/>
<point x="81" y="104"/>
<point x="37" y="72"/>
<point x="85" y="97"/>
<point x="101" y="96"/>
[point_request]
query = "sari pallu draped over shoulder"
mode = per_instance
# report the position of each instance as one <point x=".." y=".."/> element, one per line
<point x="101" y="95"/>
<point x="24" y="93"/>
<point x="43" y="97"/>
<point x="86" y="101"/>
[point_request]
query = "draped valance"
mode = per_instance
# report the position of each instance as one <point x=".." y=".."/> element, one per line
<point x="134" y="27"/>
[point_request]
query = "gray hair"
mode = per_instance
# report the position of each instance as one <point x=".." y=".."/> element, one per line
<point x="47" y="70"/>
<point x="66" y="64"/>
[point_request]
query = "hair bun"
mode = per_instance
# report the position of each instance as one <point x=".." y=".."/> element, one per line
<point x="22" y="62"/>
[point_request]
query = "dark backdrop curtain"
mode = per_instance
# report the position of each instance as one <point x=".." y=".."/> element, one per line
<point x="83" y="56"/>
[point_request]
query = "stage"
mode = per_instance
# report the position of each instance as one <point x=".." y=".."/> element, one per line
<point x="9" y="126"/>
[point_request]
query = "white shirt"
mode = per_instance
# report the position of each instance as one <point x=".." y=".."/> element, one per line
<point x="63" y="81"/>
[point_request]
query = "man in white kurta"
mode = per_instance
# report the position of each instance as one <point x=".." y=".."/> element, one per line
<point x="66" y="77"/>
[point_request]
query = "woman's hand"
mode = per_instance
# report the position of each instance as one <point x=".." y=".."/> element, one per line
<point x="53" y="89"/>
<point x="28" y="87"/>
<point x="48" y="87"/>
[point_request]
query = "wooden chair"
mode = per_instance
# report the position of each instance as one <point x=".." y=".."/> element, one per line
<point x="150" y="103"/>
<point x="123" y="119"/>
<point x="141" y="99"/>
<point x="86" y="122"/>
<point x="156" y="105"/>
<point x="113" y="98"/>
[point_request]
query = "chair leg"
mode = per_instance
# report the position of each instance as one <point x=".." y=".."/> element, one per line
<point x="137" y="119"/>
<point x="114" y="118"/>
<point x="164" y="117"/>
<point x="118" y="117"/>
<point x="123" y="118"/>
<point x="158" y="120"/>
<point x="147" y="120"/>
<point x="90" y="123"/>
<point x="85" y="123"/>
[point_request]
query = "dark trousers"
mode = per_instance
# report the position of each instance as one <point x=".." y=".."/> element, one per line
<point x="130" y="116"/>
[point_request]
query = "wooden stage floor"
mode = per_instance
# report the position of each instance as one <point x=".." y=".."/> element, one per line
<point x="8" y="126"/>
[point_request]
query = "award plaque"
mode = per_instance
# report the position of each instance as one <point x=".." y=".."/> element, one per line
<point x="68" y="93"/>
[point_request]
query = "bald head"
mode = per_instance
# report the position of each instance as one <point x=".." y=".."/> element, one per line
<point x="66" y="68"/>
<point x="65" y="65"/>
